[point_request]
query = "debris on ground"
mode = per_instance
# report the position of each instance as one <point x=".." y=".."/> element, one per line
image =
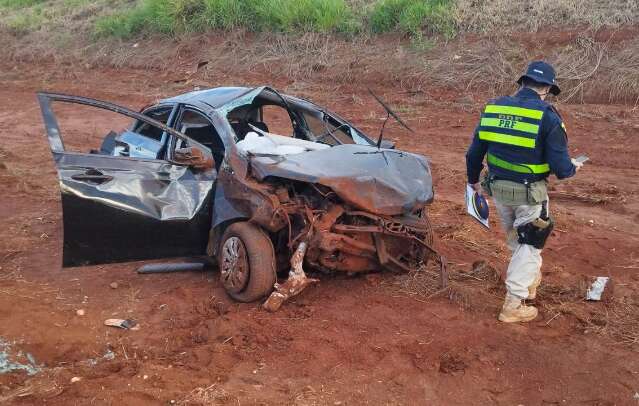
<point x="168" y="268"/>
<point x="597" y="288"/>
<point x="16" y="361"/>
<point x="297" y="281"/>
<point x="126" y="324"/>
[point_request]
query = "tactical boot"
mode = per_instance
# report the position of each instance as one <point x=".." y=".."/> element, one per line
<point x="532" y="289"/>
<point x="515" y="311"/>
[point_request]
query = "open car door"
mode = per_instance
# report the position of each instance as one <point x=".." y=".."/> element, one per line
<point x="122" y="208"/>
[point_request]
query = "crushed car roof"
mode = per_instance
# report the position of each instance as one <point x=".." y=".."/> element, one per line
<point x="214" y="97"/>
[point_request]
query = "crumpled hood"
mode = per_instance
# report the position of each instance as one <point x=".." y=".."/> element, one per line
<point x="380" y="181"/>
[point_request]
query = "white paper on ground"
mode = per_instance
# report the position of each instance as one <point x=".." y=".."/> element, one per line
<point x="597" y="288"/>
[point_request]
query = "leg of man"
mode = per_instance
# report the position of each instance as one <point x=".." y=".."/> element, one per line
<point x="507" y="217"/>
<point x="525" y="262"/>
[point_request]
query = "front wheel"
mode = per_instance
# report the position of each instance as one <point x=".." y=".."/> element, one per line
<point x="246" y="259"/>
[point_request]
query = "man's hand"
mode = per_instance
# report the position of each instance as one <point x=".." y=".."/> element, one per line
<point x="477" y="188"/>
<point x="577" y="164"/>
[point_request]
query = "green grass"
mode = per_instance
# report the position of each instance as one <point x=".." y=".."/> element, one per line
<point x="19" y="3"/>
<point x="413" y="17"/>
<point x="180" y="16"/>
<point x="329" y="16"/>
<point x="128" y="19"/>
<point x="27" y="20"/>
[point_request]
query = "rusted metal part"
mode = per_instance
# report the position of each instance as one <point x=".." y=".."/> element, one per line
<point x="297" y="281"/>
<point x="194" y="157"/>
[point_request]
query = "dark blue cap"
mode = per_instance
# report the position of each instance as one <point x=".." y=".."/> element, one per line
<point x="542" y="72"/>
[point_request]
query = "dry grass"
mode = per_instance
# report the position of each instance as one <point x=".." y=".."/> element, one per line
<point x="588" y="70"/>
<point x="210" y="395"/>
<point x="41" y="388"/>
<point x="481" y="289"/>
<point x="476" y="289"/>
<point x="527" y="16"/>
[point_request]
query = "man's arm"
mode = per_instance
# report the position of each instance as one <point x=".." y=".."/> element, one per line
<point x="556" y="149"/>
<point x="475" y="157"/>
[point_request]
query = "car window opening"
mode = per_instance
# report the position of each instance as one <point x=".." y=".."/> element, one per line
<point x="289" y="128"/>
<point x="197" y="127"/>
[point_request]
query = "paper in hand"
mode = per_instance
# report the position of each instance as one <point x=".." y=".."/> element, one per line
<point x="477" y="206"/>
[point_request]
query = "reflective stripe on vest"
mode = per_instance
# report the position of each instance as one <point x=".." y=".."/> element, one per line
<point x="510" y="125"/>
<point x="514" y="111"/>
<point x="520" y="168"/>
<point x="507" y="139"/>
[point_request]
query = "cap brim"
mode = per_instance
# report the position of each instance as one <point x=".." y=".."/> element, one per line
<point x="554" y="89"/>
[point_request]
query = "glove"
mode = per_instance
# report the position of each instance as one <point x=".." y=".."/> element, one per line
<point x="577" y="164"/>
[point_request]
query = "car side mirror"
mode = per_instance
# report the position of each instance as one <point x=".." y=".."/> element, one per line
<point x="194" y="157"/>
<point x="387" y="144"/>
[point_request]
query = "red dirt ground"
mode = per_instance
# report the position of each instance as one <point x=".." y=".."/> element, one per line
<point x="345" y="341"/>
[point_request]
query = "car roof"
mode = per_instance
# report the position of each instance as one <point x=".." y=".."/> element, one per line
<point x="215" y="97"/>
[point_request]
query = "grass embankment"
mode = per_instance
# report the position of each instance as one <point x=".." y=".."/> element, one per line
<point x="337" y="40"/>
<point x="124" y="19"/>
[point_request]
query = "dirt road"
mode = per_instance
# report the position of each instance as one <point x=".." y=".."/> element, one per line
<point x="380" y="339"/>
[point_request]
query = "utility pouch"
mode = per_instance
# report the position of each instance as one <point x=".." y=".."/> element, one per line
<point x="517" y="194"/>
<point x="538" y="192"/>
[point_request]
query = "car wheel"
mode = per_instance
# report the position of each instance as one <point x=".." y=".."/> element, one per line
<point x="247" y="262"/>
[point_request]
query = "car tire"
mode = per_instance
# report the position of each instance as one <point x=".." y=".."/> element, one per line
<point x="246" y="260"/>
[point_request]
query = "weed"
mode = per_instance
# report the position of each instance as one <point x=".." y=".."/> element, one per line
<point x="19" y="3"/>
<point x="26" y="21"/>
<point x="412" y="17"/>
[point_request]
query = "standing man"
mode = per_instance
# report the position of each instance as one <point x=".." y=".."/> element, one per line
<point x="524" y="141"/>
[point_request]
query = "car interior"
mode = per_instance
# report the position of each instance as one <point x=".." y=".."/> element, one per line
<point x="197" y="127"/>
<point x="267" y="111"/>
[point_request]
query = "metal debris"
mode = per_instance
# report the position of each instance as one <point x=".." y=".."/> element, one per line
<point x="297" y="281"/>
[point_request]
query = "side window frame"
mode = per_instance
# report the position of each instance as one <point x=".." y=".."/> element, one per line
<point x="298" y="125"/>
<point x="163" y="154"/>
<point x="176" y="122"/>
<point x="56" y="142"/>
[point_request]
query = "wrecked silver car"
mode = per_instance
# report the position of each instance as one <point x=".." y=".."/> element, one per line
<point x="260" y="181"/>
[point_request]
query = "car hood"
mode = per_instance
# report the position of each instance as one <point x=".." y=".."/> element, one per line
<point x="380" y="181"/>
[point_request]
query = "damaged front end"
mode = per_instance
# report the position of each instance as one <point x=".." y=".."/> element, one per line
<point x="346" y="209"/>
<point x="333" y="236"/>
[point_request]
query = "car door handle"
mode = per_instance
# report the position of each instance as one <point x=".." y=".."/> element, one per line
<point x="92" y="177"/>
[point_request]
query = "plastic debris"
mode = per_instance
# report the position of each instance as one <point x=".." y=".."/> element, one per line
<point x="16" y="362"/>
<point x="596" y="289"/>
<point x="127" y="324"/>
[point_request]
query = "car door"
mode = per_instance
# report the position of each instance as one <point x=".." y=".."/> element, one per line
<point x="121" y="208"/>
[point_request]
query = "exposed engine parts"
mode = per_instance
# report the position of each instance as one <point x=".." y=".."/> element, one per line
<point x="331" y="237"/>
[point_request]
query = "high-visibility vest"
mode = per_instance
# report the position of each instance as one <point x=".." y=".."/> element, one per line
<point x="511" y="126"/>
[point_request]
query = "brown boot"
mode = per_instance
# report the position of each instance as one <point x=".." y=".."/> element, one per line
<point x="532" y="289"/>
<point x="515" y="311"/>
